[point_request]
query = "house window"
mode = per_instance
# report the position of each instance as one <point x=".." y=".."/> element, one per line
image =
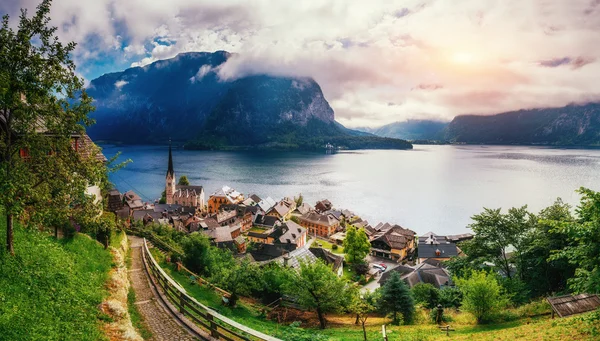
<point x="24" y="153"/>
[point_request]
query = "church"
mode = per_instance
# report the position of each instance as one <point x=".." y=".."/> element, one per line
<point x="191" y="196"/>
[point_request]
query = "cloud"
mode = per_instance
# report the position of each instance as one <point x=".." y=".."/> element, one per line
<point x="430" y="58"/>
<point x="203" y="71"/>
<point x="120" y="83"/>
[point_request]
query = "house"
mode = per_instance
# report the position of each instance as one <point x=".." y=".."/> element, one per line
<point x="133" y="201"/>
<point x="302" y="210"/>
<point x="283" y="209"/>
<point x="179" y="194"/>
<point x="319" y="224"/>
<point x="437" y="248"/>
<point x="244" y="214"/>
<point x="394" y="243"/>
<point x="265" y="221"/>
<point x="288" y="233"/>
<point x="421" y="273"/>
<point x="226" y="195"/>
<point x="115" y="200"/>
<point x="252" y="200"/>
<point x="323" y="206"/>
<point x="146" y="216"/>
<point x="227" y="237"/>
<point x="225" y="217"/>
<point x="266" y="204"/>
<point x="338" y="238"/>
<point x="336" y="262"/>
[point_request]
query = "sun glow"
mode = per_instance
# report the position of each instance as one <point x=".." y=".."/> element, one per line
<point x="463" y="58"/>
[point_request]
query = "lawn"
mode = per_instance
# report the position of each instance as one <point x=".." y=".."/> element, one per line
<point x="50" y="290"/>
<point x="327" y="245"/>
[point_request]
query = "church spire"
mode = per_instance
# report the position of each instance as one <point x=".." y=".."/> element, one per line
<point x="170" y="170"/>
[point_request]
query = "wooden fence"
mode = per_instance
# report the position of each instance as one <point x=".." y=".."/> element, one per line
<point x="219" y="326"/>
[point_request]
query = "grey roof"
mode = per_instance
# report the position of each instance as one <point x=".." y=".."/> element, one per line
<point x="294" y="258"/>
<point x="446" y="250"/>
<point x="321" y="219"/>
<point x="166" y="207"/>
<point x="421" y="273"/>
<point x="265" y="220"/>
<point x="329" y="258"/>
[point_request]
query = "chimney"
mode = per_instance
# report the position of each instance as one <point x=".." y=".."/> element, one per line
<point x="286" y="259"/>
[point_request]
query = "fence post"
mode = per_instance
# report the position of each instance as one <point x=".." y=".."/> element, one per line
<point x="181" y="303"/>
<point x="213" y="326"/>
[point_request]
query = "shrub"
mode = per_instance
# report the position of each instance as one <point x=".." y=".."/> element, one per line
<point x="361" y="268"/>
<point x="433" y="316"/>
<point x="450" y="297"/>
<point x="334" y="247"/>
<point x="482" y="295"/>
<point x="426" y="295"/>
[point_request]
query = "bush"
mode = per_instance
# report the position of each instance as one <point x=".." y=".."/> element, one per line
<point x="515" y="290"/>
<point x="426" y="295"/>
<point x="361" y="268"/>
<point x="334" y="247"/>
<point x="450" y="297"/>
<point x="482" y="295"/>
<point x="433" y="316"/>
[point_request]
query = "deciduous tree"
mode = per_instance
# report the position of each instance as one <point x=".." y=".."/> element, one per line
<point x="317" y="287"/>
<point x="356" y="244"/>
<point x="43" y="105"/>
<point x="183" y="181"/>
<point x="481" y="295"/>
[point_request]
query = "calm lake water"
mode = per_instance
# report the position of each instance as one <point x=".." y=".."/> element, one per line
<point x="435" y="188"/>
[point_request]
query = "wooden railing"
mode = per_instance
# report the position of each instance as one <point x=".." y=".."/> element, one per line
<point x="218" y="326"/>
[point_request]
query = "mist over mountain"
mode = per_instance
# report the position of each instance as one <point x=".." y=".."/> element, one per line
<point x="410" y="130"/>
<point x="183" y="98"/>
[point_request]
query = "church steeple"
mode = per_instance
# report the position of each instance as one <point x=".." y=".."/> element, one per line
<point x="170" y="170"/>
<point x="170" y="187"/>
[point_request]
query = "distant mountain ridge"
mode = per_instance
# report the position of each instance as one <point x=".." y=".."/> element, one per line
<point x="183" y="98"/>
<point x="410" y="130"/>
<point x="569" y="125"/>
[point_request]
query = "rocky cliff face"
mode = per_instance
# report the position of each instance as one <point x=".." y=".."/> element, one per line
<point x="570" y="125"/>
<point x="183" y="98"/>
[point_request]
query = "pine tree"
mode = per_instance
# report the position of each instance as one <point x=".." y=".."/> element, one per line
<point x="396" y="298"/>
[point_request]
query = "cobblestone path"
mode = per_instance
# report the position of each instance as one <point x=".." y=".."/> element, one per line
<point x="160" y="322"/>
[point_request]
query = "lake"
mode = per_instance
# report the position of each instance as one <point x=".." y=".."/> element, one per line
<point x="429" y="188"/>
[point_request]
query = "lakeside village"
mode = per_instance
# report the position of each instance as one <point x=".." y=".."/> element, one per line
<point x="287" y="231"/>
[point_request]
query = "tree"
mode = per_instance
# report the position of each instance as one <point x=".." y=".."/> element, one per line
<point x="583" y="236"/>
<point x="361" y="305"/>
<point x="183" y="181"/>
<point x="481" y="295"/>
<point x="299" y="200"/>
<point x="237" y="278"/>
<point x="396" y="298"/>
<point x="356" y="244"/>
<point x="542" y="274"/>
<point x="426" y="294"/>
<point x="450" y="297"/>
<point x="43" y="105"/>
<point x="317" y="287"/>
<point x="495" y="233"/>
<point x="196" y="248"/>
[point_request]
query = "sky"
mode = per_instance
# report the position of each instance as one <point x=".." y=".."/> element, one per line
<point x="377" y="61"/>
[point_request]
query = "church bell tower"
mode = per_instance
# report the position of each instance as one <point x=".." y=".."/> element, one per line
<point x="170" y="179"/>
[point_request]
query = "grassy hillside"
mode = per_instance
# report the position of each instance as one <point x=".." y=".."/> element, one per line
<point x="51" y="289"/>
<point x="524" y="323"/>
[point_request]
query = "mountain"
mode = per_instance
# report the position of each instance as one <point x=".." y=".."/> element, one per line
<point x="184" y="99"/>
<point x="569" y="125"/>
<point x="410" y="130"/>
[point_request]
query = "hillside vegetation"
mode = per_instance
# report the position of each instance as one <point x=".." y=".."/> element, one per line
<point x="51" y="289"/>
<point x="570" y="125"/>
